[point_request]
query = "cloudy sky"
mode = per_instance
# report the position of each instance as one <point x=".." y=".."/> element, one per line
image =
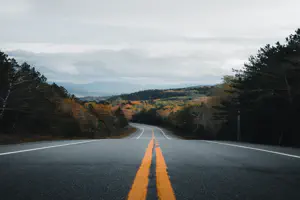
<point x="113" y="46"/>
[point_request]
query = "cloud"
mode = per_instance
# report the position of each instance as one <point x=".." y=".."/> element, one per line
<point x="10" y="8"/>
<point x="141" y="44"/>
<point x="129" y="64"/>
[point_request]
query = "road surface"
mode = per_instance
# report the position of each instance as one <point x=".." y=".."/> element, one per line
<point x="147" y="164"/>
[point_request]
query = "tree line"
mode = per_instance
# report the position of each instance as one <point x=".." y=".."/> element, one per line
<point x="29" y="105"/>
<point x="161" y="94"/>
<point x="259" y="104"/>
<point x="265" y="95"/>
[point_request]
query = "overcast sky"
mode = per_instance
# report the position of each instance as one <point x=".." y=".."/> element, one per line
<point x="147" y="43"/>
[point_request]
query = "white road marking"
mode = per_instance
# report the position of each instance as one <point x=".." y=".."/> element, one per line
<point x="143" y="138"/>
<point x="48" y="147"/>
<point x="164" y="134"/>
<point x="140" y="134"/>
<point x="257" y="149"/>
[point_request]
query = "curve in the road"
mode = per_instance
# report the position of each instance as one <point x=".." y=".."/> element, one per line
<point x="141" y="133"/>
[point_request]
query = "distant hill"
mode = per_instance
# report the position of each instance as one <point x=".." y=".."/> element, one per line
<point x="111" y="88"/>
<point x="192" y="92"/>
<point x="92" y="98"/>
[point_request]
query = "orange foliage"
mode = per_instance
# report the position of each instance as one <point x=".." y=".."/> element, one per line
<point x="135" y="102"/>
<point x="128" y="113"/>
<point x="114" y="108"/>
<point x="164" y="113"/>
<point x="80" y="113"/>
<point x="103" y="109"/>
<point x="127" y="106"/>
<point x="177" y="108"/>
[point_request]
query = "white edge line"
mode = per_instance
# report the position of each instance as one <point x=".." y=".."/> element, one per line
<point x="140" y="134"/>
<point x="245" y="147"/>
<point x="164" y="134"/>
<point x="48" y="147"/>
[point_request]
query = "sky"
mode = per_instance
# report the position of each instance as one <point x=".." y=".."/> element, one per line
<point x="97" y="47"/>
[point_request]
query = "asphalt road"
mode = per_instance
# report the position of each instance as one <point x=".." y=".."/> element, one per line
<point x="107" y="169"/>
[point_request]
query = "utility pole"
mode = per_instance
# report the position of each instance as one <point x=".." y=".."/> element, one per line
<point x="239" y="126"/>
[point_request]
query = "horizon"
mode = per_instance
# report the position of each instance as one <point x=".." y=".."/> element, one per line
<point x="175" y="88"/>
<point x="136" y="45"/>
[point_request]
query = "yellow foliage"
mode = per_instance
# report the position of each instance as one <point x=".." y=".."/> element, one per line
<point x="85" y="119"/>
<point x="114" y="108"/>
<point x="103" y="109"/>
<point x="127" y="106"/>
<point x="136" y="102"/>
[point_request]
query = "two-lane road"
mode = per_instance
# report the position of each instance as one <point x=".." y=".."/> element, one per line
<point x="149" y="163"/>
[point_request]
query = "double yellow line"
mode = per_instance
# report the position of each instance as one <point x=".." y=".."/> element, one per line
<point x="140" y="184"/>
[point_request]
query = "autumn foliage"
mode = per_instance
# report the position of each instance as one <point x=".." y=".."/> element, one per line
<point x="31" y="106"/>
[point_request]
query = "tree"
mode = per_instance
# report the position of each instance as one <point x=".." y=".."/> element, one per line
<point x="27" y="101"/>
<point x="122" y="121"/>
<point x="227" y="79"/>
<point x="19" y="85"/>
<point x="264" y="94"/>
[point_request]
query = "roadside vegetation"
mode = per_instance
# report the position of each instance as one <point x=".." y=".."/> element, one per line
<point x="32" y="109"/>
<point x="164" y="94"/>
<point x="259" y="104"/>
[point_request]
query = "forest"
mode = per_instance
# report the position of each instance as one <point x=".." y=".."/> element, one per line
<point x="259" y="104"/>
<point x="30" y="108"/>
<point x="265" y="93"/>
<point x="161" y="94"/>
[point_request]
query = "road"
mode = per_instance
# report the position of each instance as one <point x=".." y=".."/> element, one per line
<point x="147" y="164"/>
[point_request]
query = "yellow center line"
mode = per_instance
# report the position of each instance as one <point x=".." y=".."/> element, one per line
<point x="163" y="183"/>
<point x="140" y="184"/>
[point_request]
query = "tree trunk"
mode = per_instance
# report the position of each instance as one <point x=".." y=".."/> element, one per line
<point x="15" y="123"/>
<point x="290" y="98"/>
<point x="280" y="139"/>
<point x="5" y="101"/>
